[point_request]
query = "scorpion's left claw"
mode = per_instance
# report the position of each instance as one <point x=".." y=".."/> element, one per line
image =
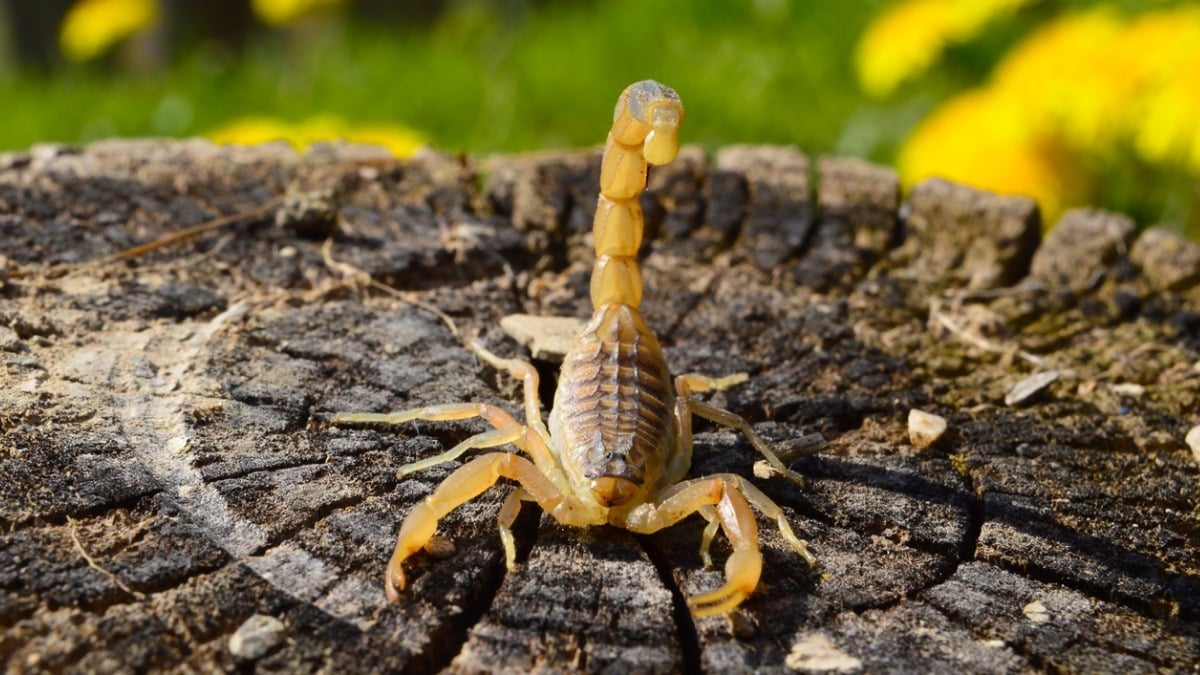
<point x="415" y="532"/>
<point x="741" y="576"/>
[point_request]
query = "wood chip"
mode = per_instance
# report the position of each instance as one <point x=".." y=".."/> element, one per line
<point x="548" y="337"/>
<point x="1029" y="387"/>
<point x="816" y="653"/>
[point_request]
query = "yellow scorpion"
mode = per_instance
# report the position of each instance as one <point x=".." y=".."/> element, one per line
<point x="619" y="442"/>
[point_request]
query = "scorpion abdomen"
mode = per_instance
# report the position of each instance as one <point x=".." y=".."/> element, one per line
<point x="615" y="390"/>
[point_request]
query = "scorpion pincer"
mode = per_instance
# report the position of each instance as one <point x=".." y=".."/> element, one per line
<point x="619" y="442"/>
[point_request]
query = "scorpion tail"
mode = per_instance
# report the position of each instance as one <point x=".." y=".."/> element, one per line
<point x="645" y="131"/>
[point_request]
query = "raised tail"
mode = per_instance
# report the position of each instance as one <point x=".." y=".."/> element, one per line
<point x="645" y="131"/>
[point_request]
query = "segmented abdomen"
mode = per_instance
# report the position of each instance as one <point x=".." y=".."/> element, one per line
<point x="615" y="399"/>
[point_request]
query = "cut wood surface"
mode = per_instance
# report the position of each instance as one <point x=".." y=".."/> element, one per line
<point x="174" y="497"/>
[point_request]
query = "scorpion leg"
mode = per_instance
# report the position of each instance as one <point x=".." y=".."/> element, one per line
<point x="442" y="413"/>
<point x="527" y="374"/>
<point x="466" y="483"/>
<point x="770" y="509"/>
<point x="538" y="447"/>
<point x="508" y="516"/>
<point x="685" y="385"/>
<point x="710" y="531"/>
<point x="497" y="417"/>
<point x="677" y="467"/>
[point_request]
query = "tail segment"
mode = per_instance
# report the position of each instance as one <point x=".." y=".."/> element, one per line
<point x="645" y="131"/>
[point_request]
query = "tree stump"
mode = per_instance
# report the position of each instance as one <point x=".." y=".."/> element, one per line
<point x="173" y="496"/>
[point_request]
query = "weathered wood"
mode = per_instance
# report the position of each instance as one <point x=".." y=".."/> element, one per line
<point x="168" y="474"/>
<point x="966" y="237"/>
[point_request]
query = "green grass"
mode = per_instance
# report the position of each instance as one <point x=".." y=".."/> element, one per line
<point x="480" y="83"/>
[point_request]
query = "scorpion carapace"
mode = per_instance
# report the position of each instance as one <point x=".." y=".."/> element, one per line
<point x="619" y="442"/>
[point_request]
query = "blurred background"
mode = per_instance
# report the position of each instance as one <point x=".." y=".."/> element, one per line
<point x="1068" y="102"/>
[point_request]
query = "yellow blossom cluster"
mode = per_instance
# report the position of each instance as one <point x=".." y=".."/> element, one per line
<point x="284" y="12"/>
<point x="1084" y="88"/>
<point x="910" y="36"/>
<point x="92" y="27"/>
<point x="400" y="141"/>
<point x="978" y="139"/>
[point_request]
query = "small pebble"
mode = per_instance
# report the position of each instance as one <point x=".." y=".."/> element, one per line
<point x="440" y="547"/>
<point x="1128" y="389"/>
<point x="24" y="362"/>
<point x="1036" y="612"/>
<point x="177" y="445"/>
<point x="1193" y="441"/>
<point x="44" y="152"/>
<point x="256" y="636"/>
<point x="1029" y="387"/>
<point x="762" y="470"/>
<point x="9" y="340"/>
<point x="924" y="429"/>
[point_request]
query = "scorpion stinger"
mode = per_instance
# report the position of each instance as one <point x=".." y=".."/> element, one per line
<point x="619" y="441"/>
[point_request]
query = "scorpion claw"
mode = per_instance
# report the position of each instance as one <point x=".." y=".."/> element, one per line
<point x="395" y="581"/>
<point x="718" y="605"/>
<point x="741" y="576"/>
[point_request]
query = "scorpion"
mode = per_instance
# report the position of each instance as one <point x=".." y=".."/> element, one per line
<point x="619" y="442"/>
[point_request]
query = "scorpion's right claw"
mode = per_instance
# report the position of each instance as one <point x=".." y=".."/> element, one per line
<point x="395" y="580"/>
<point x="741" y="576"/>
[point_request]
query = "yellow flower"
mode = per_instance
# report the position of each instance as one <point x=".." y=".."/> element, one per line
<point x="1164" y="127"/>
<point x="91" y="27"/>
<point x="910" y="36"/>
<point x="1062" y="72"/>
<point x="1088" y="88"/>
<point x="1168" y="133"/>
<point x="1099" y="81"/>
<point x="1155" y="44"/>
<point x="980" y="139"/>
<point x="400" y="141"/>
<point x="284" y="12"/>
<point x="254" y="130"/>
